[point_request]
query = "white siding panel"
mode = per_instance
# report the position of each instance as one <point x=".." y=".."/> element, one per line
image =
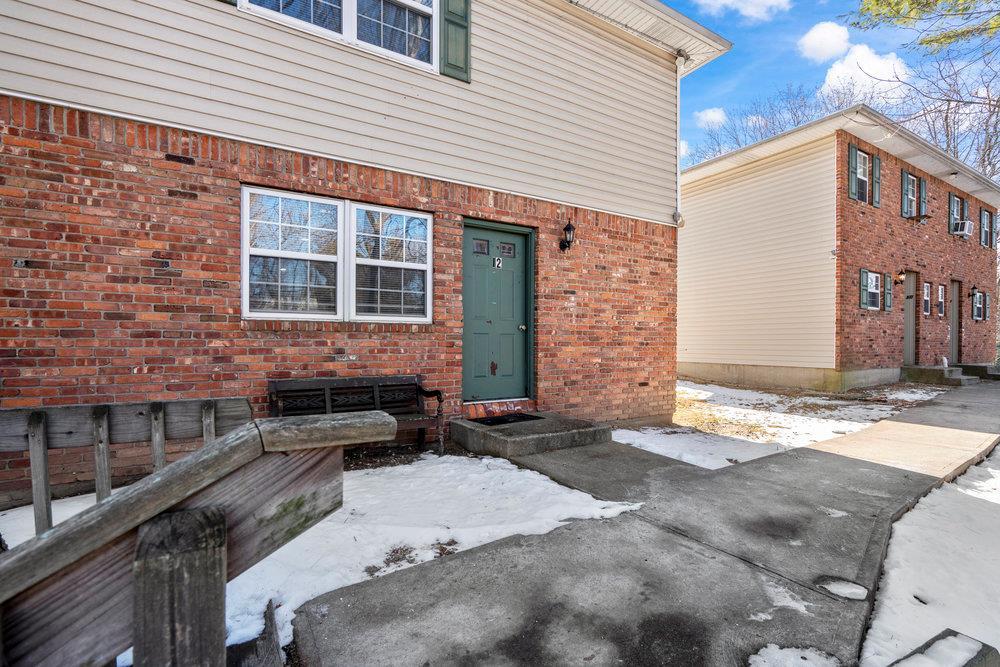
<point x="559" y="108"/>
<point x="756" y="277"/>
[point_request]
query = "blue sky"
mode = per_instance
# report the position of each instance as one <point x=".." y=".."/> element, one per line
<point x="767" y="52"/>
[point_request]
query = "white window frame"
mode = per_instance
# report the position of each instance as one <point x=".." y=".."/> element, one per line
<point x="956" y="212"/>
<point x="911" y="194"/>
<point x="985" y="226"/>
<point x="349" y="25"/>
<point x="352" y="232"/>
<point x="345" y="258"/>
<point x="927" y="299"/>
<point x="941" y="304"/>
<point x="866" y="177"/>
<point x="869" y="291"/>
<point x="979" y="306"/>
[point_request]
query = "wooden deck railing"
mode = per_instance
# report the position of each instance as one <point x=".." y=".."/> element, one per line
<point x="146" y="566"/>
<point x="39" y="430"/>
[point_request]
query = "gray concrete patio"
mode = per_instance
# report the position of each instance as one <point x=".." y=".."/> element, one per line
<point x="712" y="567"/>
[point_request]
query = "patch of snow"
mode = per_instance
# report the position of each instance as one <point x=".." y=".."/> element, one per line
<point x="421" y="507"/>
<point x="835" y="513"/>
<point x="941" y="568"/>
<point x="784" y="422"/>
<point x="954" y="651"/>
<point x="774" y="656"/>
<point x="706" y="450"/>
<point x="782" y="597"/>
<point x="760" y="618"/>
<point x="846" y="589"/>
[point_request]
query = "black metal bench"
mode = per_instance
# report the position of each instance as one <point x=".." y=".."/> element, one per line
<point x="402" y="396"/>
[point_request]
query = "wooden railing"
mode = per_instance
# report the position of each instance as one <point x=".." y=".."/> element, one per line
<point x="39" y="430"/>
<point x="146" y="567"/>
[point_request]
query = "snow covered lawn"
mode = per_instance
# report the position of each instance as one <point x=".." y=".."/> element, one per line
<point x="392" y="518"/>
<point x="941" y="570"/>
<point x="719" y="426"/>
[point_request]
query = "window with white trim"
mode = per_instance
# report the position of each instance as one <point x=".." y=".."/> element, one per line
<point x="985" y="228"/>
<point x="978" y="305"/>
<point x="401" y="29"/>
<point x="873" y="290"/>
<point x="927" y="298"/>
<point x="863" y="171"/>
<point x="316" y="258"/>
<point x="910" y="195"/>
<point x="940" y="302"/>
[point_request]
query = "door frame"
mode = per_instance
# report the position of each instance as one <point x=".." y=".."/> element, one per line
<point x="911" y="318"/>
<point x="955" y="321"/>
<point x="530" y="234"/>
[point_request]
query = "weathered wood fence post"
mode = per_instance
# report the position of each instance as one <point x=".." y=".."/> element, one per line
<point x="180" y="590"/>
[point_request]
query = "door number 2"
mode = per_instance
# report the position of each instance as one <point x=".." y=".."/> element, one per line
<point x="498" y="262"/>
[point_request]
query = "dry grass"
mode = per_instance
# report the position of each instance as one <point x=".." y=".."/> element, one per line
<point x="703" y="417"/>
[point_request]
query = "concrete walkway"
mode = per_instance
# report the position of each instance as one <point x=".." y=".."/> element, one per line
<point x="714" y="566"/>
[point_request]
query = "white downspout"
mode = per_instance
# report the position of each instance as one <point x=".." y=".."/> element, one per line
<point x="681" y="60"/>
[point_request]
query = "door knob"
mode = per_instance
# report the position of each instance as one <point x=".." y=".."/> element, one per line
<point x="523" y="327"/>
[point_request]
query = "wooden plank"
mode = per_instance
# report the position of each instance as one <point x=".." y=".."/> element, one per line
<point x="76" y="537"/>
<point x="102" y="453"/>
<point x="158" y="438"/>
<point x="38" y="452"/>
<point x="83" y="615"/>
<point x="72" y="426"/>
<point x="180" y="589"/>
<point x="262" y="651"/>
<point x="287" y="434"/>
<point x="208" y="421"/>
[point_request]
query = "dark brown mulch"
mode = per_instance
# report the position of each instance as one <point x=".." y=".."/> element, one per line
<point x="366" y="458"/>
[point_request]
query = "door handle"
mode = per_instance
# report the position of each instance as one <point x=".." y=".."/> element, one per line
<point x="523" y="327"/>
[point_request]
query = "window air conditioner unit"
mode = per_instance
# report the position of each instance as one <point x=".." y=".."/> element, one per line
<point x="963" y="228"/>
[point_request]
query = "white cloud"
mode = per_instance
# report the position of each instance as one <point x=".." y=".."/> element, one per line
<point x="757" y="10"/>
<point x="825" y="41"/>
<point x="867" y="72"/>
<point x="684" y="149"/>
<point x="713" y="117"/>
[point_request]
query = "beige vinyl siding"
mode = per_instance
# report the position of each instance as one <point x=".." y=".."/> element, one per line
<point x="756" y="277"/>
<point x="560" y="108"/>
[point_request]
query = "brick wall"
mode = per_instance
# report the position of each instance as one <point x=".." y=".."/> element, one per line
<point x="880" y="239"/>
<point x="120" y="278"/>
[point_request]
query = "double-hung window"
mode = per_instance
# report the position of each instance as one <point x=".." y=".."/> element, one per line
<point x="871" y="290"/>
<point x="940" y="303"/>
<point x="315" y="258"/>
<point x="927" y="298"/>
<point x="863" y="171"/>
<point x="401" y="29"/>
<point x="985" y="228"/>
<point x="978" y="305"/>
<point x="909" y="195"/>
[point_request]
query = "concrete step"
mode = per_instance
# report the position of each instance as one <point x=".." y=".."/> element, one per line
<point x="526" y="433"/>
<point x="947" y="646"/>
<point x="983" y="371"/>
<point x="949" y="376"/>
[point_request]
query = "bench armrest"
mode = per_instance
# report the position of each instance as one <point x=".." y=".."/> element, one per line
<point x="431" y="393"/>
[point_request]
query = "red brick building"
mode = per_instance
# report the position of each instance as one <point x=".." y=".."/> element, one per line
<point x="858" y="249"/>
<point x="234" y="195"/>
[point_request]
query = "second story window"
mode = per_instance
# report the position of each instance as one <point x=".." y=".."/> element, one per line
<point x="401" y="29"/>
<point x="986" y="234"/>
<point x="958" y="216"/>
<point x="863" y="170"/>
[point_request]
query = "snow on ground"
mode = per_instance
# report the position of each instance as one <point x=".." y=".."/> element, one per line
<point x="774" y="656"/>
<point x="719" y="426"/>
<point x="941" y="570"/>
<point x="392" y="518"/>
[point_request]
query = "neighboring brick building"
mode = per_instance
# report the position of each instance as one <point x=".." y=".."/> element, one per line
<point x="168" y="239"/>
<point x="804" y="264"/>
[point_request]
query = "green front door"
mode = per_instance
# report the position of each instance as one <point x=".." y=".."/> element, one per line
<point x="497" y="320"/>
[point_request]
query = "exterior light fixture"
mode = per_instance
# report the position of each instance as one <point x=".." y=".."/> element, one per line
<point x="901" y="277"/>
<point x="972" y="294"/>
<point x="569" y="235"/>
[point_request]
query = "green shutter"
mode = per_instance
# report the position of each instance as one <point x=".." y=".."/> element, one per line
<point x="904" y="206"/>
<point x="996" y="228"/>
<point x="456" y="39"/>
<point x="923" y="197"/>
<point x="984" y="228"/>
<point x="989" y="305"/>
<point x="887" y="288"/>
<point x="852" y="171"/>
<point x="876" y="181"/>
<point x="974" y="293"/>
<point x="864" y="288"/>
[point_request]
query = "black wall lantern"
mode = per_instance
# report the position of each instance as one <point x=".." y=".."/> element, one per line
<point x="569" y="235"/>
<point x="900" y="277"/>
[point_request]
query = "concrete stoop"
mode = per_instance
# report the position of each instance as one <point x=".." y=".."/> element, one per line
<point x="945" y="645"/>
<point x="982" y="371"/>
<point x="948" y="376"/>
<point x="532" y="433"/>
